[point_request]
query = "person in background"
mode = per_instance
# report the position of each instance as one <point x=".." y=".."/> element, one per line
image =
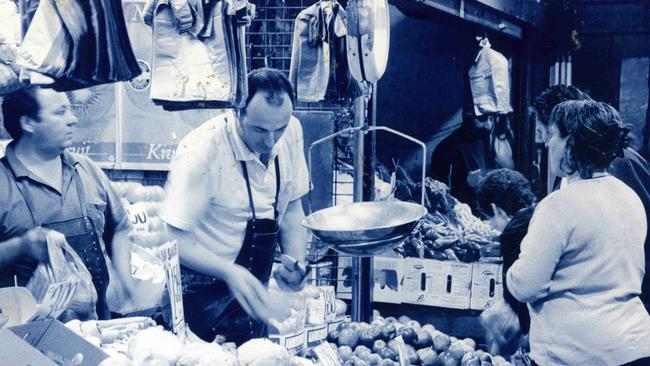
<point x="45" y="187"/>
<point x="233" y="195"/>
<point x="631" y="168"/>
<point x="506" y="199"/>
<point x="479" y="146"/>
<point x="581" y="262"/>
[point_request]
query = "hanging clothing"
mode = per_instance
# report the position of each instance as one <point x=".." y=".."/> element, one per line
<point x="62" y="34"/>
<point x="199" y="55"/>
<point x="319" y="54"/>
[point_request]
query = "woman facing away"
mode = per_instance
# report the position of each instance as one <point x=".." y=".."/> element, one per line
<point x="582" y="261"/>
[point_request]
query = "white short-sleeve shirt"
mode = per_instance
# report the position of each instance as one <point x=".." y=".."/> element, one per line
<point x="206" y="194"/>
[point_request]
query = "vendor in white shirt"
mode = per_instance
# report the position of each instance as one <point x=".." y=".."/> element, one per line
<point x="582" y="261"/>
<point x="233" y="194"/>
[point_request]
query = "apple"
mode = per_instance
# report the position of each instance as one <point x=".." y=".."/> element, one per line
<point x="485" y="363"/>
<point x="388" y="332"/>
<point x="388" y="353"/>
<point x="408" y="334"/>
<point x="343" y="325"/>
<point x="349" y="362"/>
<point x="387" y="362"/>
<point x="470" y="359"/>
<point x="366" y="337"/>
<point x="440" y="343"/>
<point x="373" y="359"/>
<point x="348" y="337"/>
<point x="470" y="342"/>
<point x="378" y="323"/>
<point x="456" y="349"/>
<point x="345" y="352"/>
<point x="391" y="319"/>
<point x="403" y="319"/>
<point x="485" y="357"/>
<point x="360" y="350"/>
<point x="379" y="344"/>
<point x="414" y="324"/>
<point x="428" y="357"/>
<point x="423" y="339"/>
<point x="333" y="336"/>
<point x="447" y="359"/>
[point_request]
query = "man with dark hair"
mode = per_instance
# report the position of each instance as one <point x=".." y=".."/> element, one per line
<point x="233" y="194"/>
<point x="43" y="186"/>
<point x="631" y="168"/>
<point x="506" y="199"/>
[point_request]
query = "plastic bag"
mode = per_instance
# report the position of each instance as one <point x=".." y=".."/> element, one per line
<point x="502" y="331"/>
<point x="489" y="79"/>
<point x="63" y="283"/>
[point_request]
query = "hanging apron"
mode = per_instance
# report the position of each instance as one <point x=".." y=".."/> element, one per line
<point x="210" y="308"/>
<point x="81" y="236"/>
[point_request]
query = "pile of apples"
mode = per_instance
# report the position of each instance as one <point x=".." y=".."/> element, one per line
<point x="363" y="344"/>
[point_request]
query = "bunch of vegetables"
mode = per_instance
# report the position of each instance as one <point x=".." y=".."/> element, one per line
<point x="449" y="231"/>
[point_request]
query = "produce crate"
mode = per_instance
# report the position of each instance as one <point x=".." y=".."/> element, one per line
<point x="437" y="283"/>
<point x="388" y="277"/>
<point x="487" y="285"/>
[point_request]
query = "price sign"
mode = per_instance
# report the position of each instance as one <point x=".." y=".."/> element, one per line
<point x="402" y="352"/>
<point x="169" y="256"/>
<point x="328" y="293"/>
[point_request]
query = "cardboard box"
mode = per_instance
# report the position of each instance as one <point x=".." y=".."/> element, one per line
<point x="437" y="283"/>
<point x="58" y="343"/>
<point x="315" y="334"/>
<point x="344" y="278"/>
<point x="487" y="285"/>
<point x="16" y="352"/>
<point x="388" y="275"/>
<point x="293" y="342"/>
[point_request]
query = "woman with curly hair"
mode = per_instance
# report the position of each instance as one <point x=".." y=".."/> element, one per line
<point x="582" y="261"/>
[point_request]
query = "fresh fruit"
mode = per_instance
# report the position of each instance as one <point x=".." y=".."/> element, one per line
<point x="348" y="337"/>
<point x="404" y="319"/>
<point x="470" y="342"/>
<point x="423" y="339"/>
<point x="485" y="363"/>
<point x="470" y="359"/>
<point x="378" y="345"/>
<point x="361" y="350"/>
<point x="428" y="357"/>
<point x="485" y="357"/>
<point x="388" y="332"/>
<point x="456" y="349"/>
<point x="366" y="337"/>
<point x="391" y="319"/>
<point x="345" y="352"/>
<point x="333" y="336"/>
<point x="343" y="325"/>
<point x="429" y="328"/>
<point x="387" y="362"/>
<point x="392" y="345"/>
<point x="408" y="334"/>
<point x="388" y="353"/>
<point x="373" y="359"/>
<point x="414" y="324"/>
<point x="378" y="323"/>
<point x="447" y="359"/>
<point x="440" y="343"/>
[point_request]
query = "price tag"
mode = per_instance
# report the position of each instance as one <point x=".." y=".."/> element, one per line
<point x="328" y="293"/>
<point x="138" y="215"/>
<point x="327" y="355"/>
<point x="402" y="352"/>
<point x="168" y="253"/>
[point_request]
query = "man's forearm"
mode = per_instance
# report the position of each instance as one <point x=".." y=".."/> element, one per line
<point x="293" y="236"/>
<point x="10" y="251"/>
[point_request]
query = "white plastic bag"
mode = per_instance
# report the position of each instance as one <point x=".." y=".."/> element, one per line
<point x="63" y="283"/>
<point x="489" y="79"/>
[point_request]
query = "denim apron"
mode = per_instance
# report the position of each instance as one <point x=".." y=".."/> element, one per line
<point x="81" y="236"/>
<point x="210" y="308"/>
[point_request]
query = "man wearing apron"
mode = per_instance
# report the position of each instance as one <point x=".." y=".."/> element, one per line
<point x="43" y="186"/>
<point x="232" y="196"/>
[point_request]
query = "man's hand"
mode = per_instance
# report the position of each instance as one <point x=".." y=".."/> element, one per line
<point x="253" y="296"/>
<point x="34" y="244"/>
<point x="291" y="275"/>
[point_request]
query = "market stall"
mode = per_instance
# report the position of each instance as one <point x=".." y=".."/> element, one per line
<point x="389" y="240"/>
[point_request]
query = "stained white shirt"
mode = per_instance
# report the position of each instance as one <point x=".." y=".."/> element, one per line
<point x="580" y="271"/>
<point x="206" y="193"/>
